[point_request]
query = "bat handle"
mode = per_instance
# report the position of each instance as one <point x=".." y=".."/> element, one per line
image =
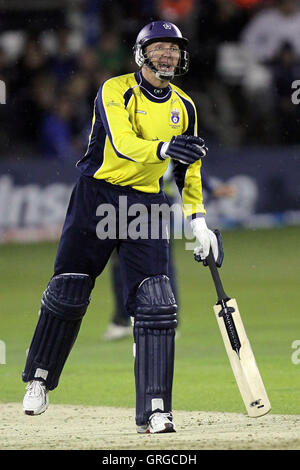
<point x="222" y="296"/>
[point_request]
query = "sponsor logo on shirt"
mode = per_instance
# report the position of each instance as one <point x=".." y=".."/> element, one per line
<point x="112" y="103"/>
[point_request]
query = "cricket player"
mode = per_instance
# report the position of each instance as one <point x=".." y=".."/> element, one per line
<point x="140" y="122"/>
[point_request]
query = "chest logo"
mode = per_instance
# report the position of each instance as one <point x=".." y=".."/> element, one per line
<point x="175" y="116"/>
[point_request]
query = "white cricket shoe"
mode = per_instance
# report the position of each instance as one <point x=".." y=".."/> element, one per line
<point x="158" y="423"/>
<point x="36" y="398"/>
<point x="115" y="332"/>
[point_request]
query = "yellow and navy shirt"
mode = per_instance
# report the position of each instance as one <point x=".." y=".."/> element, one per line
<point x="131" y="120"/>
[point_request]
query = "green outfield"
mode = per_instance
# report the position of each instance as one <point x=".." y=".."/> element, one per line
<point x="261" y="269"/>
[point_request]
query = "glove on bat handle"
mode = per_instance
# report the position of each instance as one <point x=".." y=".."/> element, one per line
<point x="216" y="278"/>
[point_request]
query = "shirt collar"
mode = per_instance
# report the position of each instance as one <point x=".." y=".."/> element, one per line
<point x="158" y="95"/>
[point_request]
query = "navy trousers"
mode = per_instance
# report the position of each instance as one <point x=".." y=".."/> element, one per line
<point x="82" y="251"/>
<point x="120" y="315"/>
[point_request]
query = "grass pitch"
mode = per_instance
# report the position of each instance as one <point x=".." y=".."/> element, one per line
<point x="261" y="270"/>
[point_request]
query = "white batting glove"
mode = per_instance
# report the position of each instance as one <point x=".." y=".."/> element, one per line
<point x="206" y="238"/>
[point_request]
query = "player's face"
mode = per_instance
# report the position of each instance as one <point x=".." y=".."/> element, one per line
<point x="163" y="55"/>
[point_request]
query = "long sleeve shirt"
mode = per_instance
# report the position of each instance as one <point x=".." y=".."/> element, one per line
<point x="131" y="121"/>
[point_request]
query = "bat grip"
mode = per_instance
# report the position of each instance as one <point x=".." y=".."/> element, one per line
<point x="222" y="296"/>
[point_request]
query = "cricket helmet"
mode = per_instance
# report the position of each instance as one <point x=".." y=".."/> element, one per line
<point x="159" y="31"/>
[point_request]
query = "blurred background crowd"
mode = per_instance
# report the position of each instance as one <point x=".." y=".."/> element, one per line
<point x="54" y="55"/>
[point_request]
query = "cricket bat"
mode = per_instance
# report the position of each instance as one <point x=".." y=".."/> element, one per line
<point x="238" y="348"/>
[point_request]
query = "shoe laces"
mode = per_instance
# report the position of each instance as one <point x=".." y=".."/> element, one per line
<point x="34" y="388"/>
<point x="157" y="416"/>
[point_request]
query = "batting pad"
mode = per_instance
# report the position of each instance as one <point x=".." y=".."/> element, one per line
<point x="64" y="304"/>
<point x="154" y="334"/>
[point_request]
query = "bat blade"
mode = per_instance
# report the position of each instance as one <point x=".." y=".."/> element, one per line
<point x="242" y="359"/>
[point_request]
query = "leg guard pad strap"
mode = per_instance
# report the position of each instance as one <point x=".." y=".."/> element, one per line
<point x="156" y="322"/>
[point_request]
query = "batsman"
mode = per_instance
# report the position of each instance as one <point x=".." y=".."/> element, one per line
<point x="140" y="122"/>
